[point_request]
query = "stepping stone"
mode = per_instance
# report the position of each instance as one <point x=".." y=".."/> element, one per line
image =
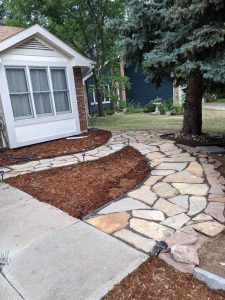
<point x="216" y="198"/>
<point x="152" y="180"/>
<point x="181" y="238"/>
<point x="177" y="221"/>
<point x="217" y="189"/>
<point x="111" y="222"/>
<point x="153" y="215"/>
<point x="168" y="208"/>
<point x="125" y="204"/>
<point x="192" y="189"/>
<point x="197" y="204"/>
<point x="144" y="194"/>
<point x="202" y="218"/>
<point x="167" y="147"/>
<point x="216" y="210"/>
<point x="180" y="200"/>
<point x="209" y="228"/>
<point x="212" y="149"/>
<point x="162" y="172"/>
<point x="173" y="152"/>
<point x="172" y="166"/>
<point x="135" y="240"/>
<point x="168" y="258"/>
<point x="177" y="159"/>
<point x="164" y="190"/>
<point x="154" y="155"/>
<point x="185" y="254"/>
<point x="195" y="168"/>
<point x="183" y="177"/>
<point x="55" y="266"/>
<point x="153" y="230"/>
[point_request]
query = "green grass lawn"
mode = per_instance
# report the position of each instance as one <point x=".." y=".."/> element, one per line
<point x="213" y="121"/>
<point x="220" y="100"/>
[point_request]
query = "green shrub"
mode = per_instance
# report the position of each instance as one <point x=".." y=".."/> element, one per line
<point x="162" y="109"/>
<point x="150" y="107"/>
<point x="177" y="110"/>
<point x="109" y="111"/>
<point x="133" y="110"/>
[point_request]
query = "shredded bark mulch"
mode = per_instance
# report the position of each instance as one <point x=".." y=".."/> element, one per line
<point x="195" y="140"/>
<point x="87" y="185"/>
<point x="212" y="256"/>
<point x="155" y="280"/>
<point x="91" y="139"/>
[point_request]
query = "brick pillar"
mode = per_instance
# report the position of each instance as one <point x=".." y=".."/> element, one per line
<point x="81" y="98"/>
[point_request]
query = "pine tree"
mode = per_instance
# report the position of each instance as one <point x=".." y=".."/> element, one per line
<point x="185" y="38"/>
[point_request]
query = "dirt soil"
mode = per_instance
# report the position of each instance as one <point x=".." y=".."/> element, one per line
<point x="91" y="139"/>
<point x="155" y="280"/>
<point x="194" y="140"/>
<point x="89" y="185"/>
<point x="212" y="256"/>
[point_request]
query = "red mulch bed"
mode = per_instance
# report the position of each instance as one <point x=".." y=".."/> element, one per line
<point x="90" y="184"/>
<point x="155" y="280"/>
<point x="92" y="139"/>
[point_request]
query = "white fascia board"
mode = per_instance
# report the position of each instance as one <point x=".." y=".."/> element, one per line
<point x="78" y="59"/>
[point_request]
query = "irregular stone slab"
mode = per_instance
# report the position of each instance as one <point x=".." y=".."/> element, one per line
<point x="192" y="189"/>
<point x="7" y="292"/>
<point x="177" y="221"/>
<point x="153" y="230"/>
<point x="168" y="258"/>
<point x="172" y="166"/>
<point x="217" y="198"/>
<point x="125" y="204"/>
<point x="162" y="172"/>
<point x="209" y="228"/>
<point x="216" y="210"/>
<point x="168" y="208"/>
<point x="154" y="155"/>
<point x="212" y="149"/>
<point x="181" y="238"/>
<point x="154" y="215"/>
<point x="55" y="266"/>
<point x="197" y="204"/>
<point x="25" y="223"/>
<point x="189" y="230"/>
<point x="177" y="159"/>
<point x="167" y="147"/>
<point x="183" y="177"/>
<point x="217" y="189"/>
<point x="25" y="166"/>
<point x="185" y="254"/>
<point x="144" y="194"/>
<point x="195" y="168"/>
<point x="202" y="218"/>
<point x="173" y="152"/>
<point x="164" y="190"/>
<point x="135" y="240"/>
<point x="152" y="180"/>
<point x="111" y="222"/>
<point x="180" y="200"/>
<point x="213" y="281"/>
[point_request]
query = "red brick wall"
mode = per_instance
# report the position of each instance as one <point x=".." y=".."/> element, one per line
<point x="81" y="98"/>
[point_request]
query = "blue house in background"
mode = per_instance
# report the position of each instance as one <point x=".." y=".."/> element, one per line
<point x="140" y="93"/>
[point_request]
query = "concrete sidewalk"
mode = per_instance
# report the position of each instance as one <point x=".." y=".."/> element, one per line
<point x="54" y="256"/>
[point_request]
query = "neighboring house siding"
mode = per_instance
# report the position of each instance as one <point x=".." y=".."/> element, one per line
<point x="143" y="91"/>
<point x="2" y="120"/>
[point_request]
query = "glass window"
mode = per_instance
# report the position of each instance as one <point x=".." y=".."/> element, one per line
<point x="60" y="90"/>
<point x="41" y="92"/>
<point x="19" y="94"/>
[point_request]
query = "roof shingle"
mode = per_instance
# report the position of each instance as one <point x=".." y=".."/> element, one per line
<point x="8" y="31"/>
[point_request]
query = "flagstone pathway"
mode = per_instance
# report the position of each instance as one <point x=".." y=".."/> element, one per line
<point x="182" y="201"/>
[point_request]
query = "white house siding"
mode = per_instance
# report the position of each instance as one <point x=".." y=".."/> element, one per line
<point x="34" y="130"/>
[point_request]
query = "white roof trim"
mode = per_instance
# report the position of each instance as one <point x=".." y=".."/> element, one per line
<point x="79" y="59"/>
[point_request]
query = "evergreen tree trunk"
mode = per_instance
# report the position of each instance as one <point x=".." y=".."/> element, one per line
<point x="98" y="94"/>
<point x="192" y="123"/>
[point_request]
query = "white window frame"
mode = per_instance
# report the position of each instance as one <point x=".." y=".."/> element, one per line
<point x="94" y="96"/>
<point x="31" y="93"/>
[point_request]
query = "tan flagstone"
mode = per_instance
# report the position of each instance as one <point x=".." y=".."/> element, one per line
<point x="209" y="228"/>
<point x="172" y="166"/>
<point x="216" y="210"/>
<point x="177" y="221"/>
<point x="197" y="204"/>
<point x="154" y="155"/>
<point x="144" y="194"/>
<point x="202" y="218"/>
<point x="192" y="189"/>
<point x="181" y="238"/>
<point x="168" y="208"/>
<point x="164" y="190"/>
<point x="180" y="200"/>
<point x="183" y="177"/>
<point x="167" y="147"/>
<point x="154" y="215"/>
<point x="185" y="254"/>
<point x="195" y="168"/>
<point x="111" y="222"/>
<point x="152" y="180"/>
<point x="151" y="229"/>
<point x="161" y="172"/>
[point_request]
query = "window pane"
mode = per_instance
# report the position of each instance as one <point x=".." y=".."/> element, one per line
<point x="16" y="80"/>
<point x="21" y="106"/>
<point x="61" y="101"/>
<point x="39" y="80"/>
<point x="58" y="79"/>
<point x="42" y="103"/>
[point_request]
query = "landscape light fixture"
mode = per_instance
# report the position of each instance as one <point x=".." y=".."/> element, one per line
<point x="159" y="247"/>
<point x="80" y="207"/>
<point x="83" y="155"/>
<point x="2" y="175"/>
<point x="128" y="142"/>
